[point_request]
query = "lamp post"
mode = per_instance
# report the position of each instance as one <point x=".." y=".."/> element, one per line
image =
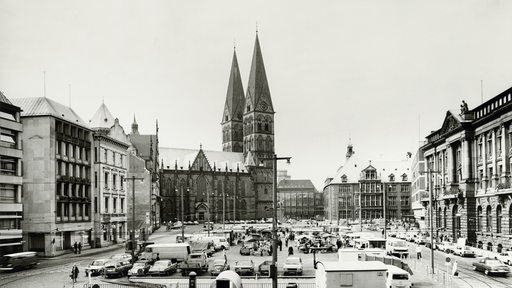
<point x="132" y="236"/>
<point x="273" y="267"/>
<point x="431" y="218"/>
<point x="384" y="211"/>
<point x="182" y="208"/>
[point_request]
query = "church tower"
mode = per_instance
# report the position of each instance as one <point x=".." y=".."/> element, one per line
<point x="232" y="118"/>
<point x="258" y="114"/>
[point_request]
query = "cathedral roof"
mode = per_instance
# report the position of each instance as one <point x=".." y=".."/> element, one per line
<point x="102" y="118"/>
<point x="185" y="157"/>
<point x="42" y="106"/>
<point x="235" y="99"/>
<point x="289" y="183"/>
<point x="257" y="89"/>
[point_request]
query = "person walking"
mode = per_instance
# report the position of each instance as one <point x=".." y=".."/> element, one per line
<point x="74" y="273"/>
<point x="290" y="251"/>
<point x="79" y="247"/>
<point x="280" y="244"/>
<point x="75" y="246"/>
<point x="418" y="252"/>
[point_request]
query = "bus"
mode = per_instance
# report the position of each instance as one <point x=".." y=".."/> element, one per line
<point x="16" y="261"/>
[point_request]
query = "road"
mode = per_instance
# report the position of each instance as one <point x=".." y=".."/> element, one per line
<point x="55" y="273"/>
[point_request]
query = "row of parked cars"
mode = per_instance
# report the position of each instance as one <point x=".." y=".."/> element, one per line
<point x="120" y="265"/>
<point x="293" y="265"/>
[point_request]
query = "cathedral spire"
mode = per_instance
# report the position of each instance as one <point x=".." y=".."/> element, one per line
<point x="258" y="93"/>
<point x="135" y="126"/>
<point x="232" y="126"/>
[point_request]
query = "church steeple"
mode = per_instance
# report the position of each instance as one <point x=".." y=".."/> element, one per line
<point x="259" y="111"/>
<point x="135" y="126"/>
<point x="232" y="118"/>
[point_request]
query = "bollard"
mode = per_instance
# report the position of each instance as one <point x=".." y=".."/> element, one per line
<point x="192" y="280"/>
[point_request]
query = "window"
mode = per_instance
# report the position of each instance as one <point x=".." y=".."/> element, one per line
<point x="58" y="147"/>
<point x="7" y="193"/>
<point x="114" y="178"/>
<point x="106" y="180"/>
<point x="114" y="205"/>
<point x="95" y="204"/>
<point x="498" y="219"/>
<point x="105" y="155"/>
<point x="8" y="115"/>
<point x="266" y="191"/>
<point x="121" y="160"/>
<point x="113" y="158"/>
<point x="122" y="205"/>
<point x="87" y="207"/>
<point x="8" y="165"/>
<point x="73" y="210"/>
<point x="95" y="179"/>
<point x="266" y="127"/>
<point x="78" y="152"/>
<point x="96" y="154"/>
<point x="59" y="209"/>
<point x="488" y="219"/>
<point x="106" y="204"/>
<point x="121" y="182"/>
<point x="479" y="218"/>
<point x="66" y="209"/>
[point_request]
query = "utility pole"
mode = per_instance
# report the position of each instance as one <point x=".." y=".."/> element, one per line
<point x="273" y="267"/>
<point x="132" y="236"/>
<point x="384" y="210"/>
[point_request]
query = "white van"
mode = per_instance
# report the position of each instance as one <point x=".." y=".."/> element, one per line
<point x="219" y="243"/>
<point x="171" y="251"/>
<point x="397" y="247"/>
<point x="396" y="277"/>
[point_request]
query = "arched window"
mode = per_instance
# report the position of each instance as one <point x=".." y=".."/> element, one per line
<point x="259" y="145"/>
<point x="445" y="225"/>
<point x="479" y="218"/>
<point x="488" y="219"/>
<point x="201" y="186"/>
<point x="498" y="219"/>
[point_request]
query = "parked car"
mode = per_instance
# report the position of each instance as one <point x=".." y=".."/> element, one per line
<point x="117" y="268"/>
<point x="464" y="251"/>
<point x="490" y="266"/>
<point x="410" y="237"/>
<point x="391" y="234"/>
<point x="400" y="235"/>
<point x="163" y="267"/>
<point x="420" y="240"/>
<point x="139" y="268"/>
<point x="244" y="267"/>
<point x="505" y="257"/>
<point x="122" y="257"/>
<point x="446" y="247"/>
<point x="246" y="249"/>
<point x="264" y="268"/>
<point x="219" y="265"/>
<point x="293" y="265"/>
<point x="96" y="267"/>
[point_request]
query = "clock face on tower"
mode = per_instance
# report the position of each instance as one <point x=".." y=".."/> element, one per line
<point x="264" y="106"/>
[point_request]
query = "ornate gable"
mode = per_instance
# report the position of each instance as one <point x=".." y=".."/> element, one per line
<point x="201" y="163"/>
<point x="450" y="123"/>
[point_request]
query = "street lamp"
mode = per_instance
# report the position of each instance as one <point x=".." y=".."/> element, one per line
<point x="431" y="220"/>
<point x="132" y="235"/>
<point x="273" y="268"/>
<point x="182" y="214"/>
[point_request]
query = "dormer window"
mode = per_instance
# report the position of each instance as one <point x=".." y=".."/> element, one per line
<point x="391" y="178"/>
<point x="404" y="177"/>
<point x="344" y="179"/>
<point x="226" y="118"/>
<point x="248" y="108"/>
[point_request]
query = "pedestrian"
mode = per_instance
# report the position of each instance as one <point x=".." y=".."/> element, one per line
<point x="74" y="273"/>
<point x="75" y="246"/>
<point x="286" y="241"/>
<point x="418" y="252"/>
<point x="290" y="251"/>
<point x="280" y="244"/>
<point x="79" y="247"/>
<point x="157" y="256"/>
<point x="454" y="270"/>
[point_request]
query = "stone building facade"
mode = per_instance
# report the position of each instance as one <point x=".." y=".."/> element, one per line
<point x="469" y="159"/>
<point x="237" y="182"/>
<point x="56" y="175"/>
<point x="11" y="179"/>
<point x="299" y="199"/>
<point x="359" y="189"/>
<point x="110" y="145"/>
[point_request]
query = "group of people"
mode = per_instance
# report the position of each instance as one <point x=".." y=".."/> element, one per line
<point x="77" y="247"/>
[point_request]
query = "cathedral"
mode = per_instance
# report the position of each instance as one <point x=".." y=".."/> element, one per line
<point x="235" y="183"/>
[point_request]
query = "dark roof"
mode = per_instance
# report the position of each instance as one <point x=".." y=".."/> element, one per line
<point x="257" y="89"/>
<point x="303" y="184"/>
<point x="235" y="99"/>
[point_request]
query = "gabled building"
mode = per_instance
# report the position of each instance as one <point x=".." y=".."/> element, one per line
<point x="56" y="177"/>
<point x="238" y="181"/>
<point x="11" y="179"/>
<point x="367" y="191"/>
<point x="468" y="163"/>
<point x="110" y="145"/>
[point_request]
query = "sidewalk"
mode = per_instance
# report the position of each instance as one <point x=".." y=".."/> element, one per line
<point x="85" y="252"/>
<point x="423" y="277"/>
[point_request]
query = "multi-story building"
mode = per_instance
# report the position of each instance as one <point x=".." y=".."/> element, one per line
<point x="418" y="188"/>
<point x="146" y="147"/>
<point x="299" y="199"/>
<point x="11" y="154"/>
<point x="110" y="144"/>
<point x="236" y="182"/>
<point x="56" y="176"/>
<point x="469" y="162"/>
<point x="358" y="191"/>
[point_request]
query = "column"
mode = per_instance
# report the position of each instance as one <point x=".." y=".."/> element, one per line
<point x="484" y="161"/>
<point x="494" y="162"/>
<point x="505" y="174"/>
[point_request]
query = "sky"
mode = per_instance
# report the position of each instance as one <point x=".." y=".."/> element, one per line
<point x="381" y="74"/>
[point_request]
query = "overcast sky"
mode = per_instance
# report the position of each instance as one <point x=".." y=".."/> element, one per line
<point x="382" y="73"/>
